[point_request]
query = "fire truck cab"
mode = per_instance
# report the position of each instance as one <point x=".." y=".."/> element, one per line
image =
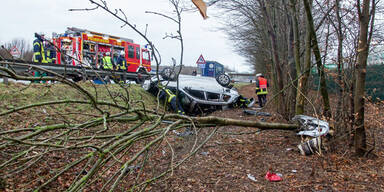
<point x="81" y="47"/>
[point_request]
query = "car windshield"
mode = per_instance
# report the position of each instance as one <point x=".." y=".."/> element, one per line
<point x="213" y="96"/>
<point x="196" y="93"/>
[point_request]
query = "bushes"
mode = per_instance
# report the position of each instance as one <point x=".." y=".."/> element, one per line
<point x="374" y="81"/>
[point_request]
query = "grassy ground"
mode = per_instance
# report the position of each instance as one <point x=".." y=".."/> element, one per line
<point x="18" y="94"/>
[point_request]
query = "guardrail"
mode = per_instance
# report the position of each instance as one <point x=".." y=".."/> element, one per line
<point x="22" y="67"/>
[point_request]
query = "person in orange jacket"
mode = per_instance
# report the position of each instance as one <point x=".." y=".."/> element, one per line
<point x="261" y="89"/>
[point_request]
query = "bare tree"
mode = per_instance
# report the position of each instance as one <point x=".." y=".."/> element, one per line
<point x="23" y="46"/>
<point x="366" y="14"/>
<point x="320" y="67"/>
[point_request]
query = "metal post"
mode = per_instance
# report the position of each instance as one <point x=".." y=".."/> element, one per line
<point x="5" y="79"/>
<point x="125" y="77"/>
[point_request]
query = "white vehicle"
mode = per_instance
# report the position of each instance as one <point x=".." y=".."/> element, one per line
<point x="198" y="94"/>
<point x="310" y="126"/>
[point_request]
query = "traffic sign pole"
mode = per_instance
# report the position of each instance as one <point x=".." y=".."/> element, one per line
<point x="15" y="52"/>
<point x="201" y="62"/>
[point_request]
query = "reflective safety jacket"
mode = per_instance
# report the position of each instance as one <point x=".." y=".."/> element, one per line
<point x="122" y="63"/>
<point x="38" y="51"/>
<point x="261" y="86"/>
<point x="171" y="100"/>
<point x="170" y="95"/>
<point x="166" y="94"/>
<point x="51" y="54"/>
<point x="107" y="62"/>
<point x="49" y="60"/>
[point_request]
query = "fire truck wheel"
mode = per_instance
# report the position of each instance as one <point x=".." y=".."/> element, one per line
<point x="168" y="74"/>
<point x="76" y="78"/>
<point x="223" y="79"/>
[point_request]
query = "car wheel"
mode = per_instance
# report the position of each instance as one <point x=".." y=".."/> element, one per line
<point x="168" y="74"/>
<point x="76" y="78"/>
<point x="223" y="79"/>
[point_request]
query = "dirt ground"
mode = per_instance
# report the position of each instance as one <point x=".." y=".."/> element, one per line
<point x="228" y="162"/>
<point x="238" y="158"/>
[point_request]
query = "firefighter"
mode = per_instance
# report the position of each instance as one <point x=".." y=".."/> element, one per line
<point x="38" y="49"/>
<point x="261" y="89"/>
<point x="115" y="57"/>
<point x="122" y="66"/>
<point x="107" y="64"/>
<point x="170" y="98"/>
<point x="51" y="53"/>
<point x="107" y="61"/>
<point x="99" y="58"/>
<point x="39" y="54"/>
<point x="122" y="62"/>
<point x="244" y="102"/>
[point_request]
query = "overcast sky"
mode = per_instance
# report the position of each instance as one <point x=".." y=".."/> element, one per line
<point x="22" y="18"/>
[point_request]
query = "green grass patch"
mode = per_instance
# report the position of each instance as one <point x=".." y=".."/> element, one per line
<point x="240" y="85"/>
<point x="17" y="95"/>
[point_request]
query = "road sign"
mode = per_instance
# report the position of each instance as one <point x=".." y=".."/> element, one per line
<point x="201" y="60"/>
<point x="15" y="52"/>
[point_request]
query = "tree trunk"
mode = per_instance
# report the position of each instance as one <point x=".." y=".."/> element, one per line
<point x="340" y="65"/>
<point x="299" y="106"/>
<point x="303" y="81"/>
<point x="292" y="61"/>
<point x="361" y="67"/>
<point x="320" y="67"/>
<point x="219" y="121"/>
<point x="275" y="56"/>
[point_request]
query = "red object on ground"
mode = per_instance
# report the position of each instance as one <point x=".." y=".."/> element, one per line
<point x="272" y="177"/>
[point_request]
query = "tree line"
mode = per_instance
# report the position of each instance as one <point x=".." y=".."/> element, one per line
<point x="286" y="39"/>
<point x="121" y="139"/>
<point x="24" y="47"/>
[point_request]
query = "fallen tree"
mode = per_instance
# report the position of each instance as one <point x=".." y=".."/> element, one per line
<point x="120" y="138"/>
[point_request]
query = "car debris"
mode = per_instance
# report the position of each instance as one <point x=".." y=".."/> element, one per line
<point x="310" y="147"/>
<point x="197" y="94"/>
<point x="186" y="133"/>
<point x="289" y="149"/>
<point x="251" y="177"/>
<point x="134" y="167"/>
<point x="312" y="127"/>
<point x="167" y="121"/>
<point x="257" y="113"/>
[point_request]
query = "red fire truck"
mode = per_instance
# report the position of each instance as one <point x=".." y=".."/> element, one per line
<point x="81" y="47"/>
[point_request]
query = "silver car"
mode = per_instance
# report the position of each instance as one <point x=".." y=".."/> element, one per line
<point x="199" y="95"/>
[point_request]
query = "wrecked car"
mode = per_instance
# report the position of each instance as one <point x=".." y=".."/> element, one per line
<point x="314" y="128"/>
<point x="197" y="94"/>
<point x="310" y="126"/>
